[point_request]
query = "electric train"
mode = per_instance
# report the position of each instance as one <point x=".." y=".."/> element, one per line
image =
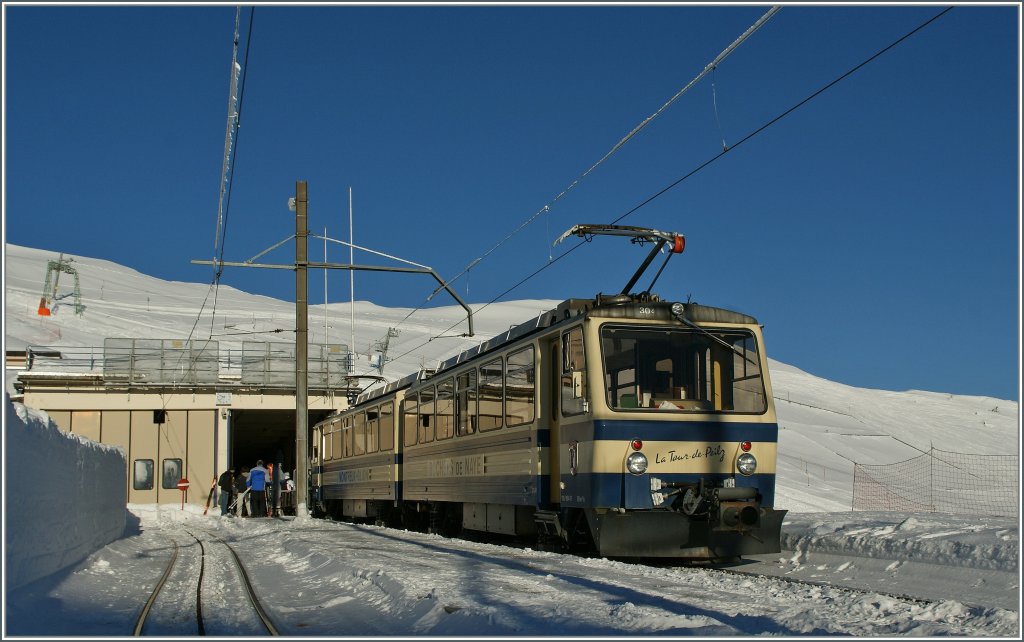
<point x="622" y="425"/>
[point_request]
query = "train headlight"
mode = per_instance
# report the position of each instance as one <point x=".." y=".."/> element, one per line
<point x="678" y="309"/>
<point x="636" y="463"/>
<point x="746" y="463"/>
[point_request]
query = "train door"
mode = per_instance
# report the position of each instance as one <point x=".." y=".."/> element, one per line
<point x="550" y="406"/>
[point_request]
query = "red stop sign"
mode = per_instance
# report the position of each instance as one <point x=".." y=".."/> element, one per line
<point x="183" y="484"/>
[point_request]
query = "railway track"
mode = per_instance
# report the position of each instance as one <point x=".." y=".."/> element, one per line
<point x="176" y="606"/>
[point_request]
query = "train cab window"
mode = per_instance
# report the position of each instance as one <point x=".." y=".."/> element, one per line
<point x="520" y="394"/>
<point x="682" y="370"/>
<point x="142" y="477"/>
<point x="359" y="435"/>
<point x="491" y="395"/>
<point x="171" y="473"/>
<point x="410" y="419"/>
<point x="446" y="409"/>
<point x="465" y="407"/>
<point x="387" y="427"/>
<point x="426" y="426"/>
<point x="574" y="373"/>
<point x="372" y="429"/>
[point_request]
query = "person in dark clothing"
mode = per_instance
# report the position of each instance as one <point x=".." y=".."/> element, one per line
<point x="258" y="486"/>
<point x="226" y="483"/>
<point x="240" y="480"/>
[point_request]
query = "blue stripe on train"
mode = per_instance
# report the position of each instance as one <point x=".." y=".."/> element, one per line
<point x="627" y="429"/>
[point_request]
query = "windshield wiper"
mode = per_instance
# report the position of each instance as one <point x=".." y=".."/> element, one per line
<point x="740" y="353"/>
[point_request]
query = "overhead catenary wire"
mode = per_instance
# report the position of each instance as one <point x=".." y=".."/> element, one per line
<point x="625" y="139"/>
<point x="229" y="135"/>
<point x="227" y="174"/>
<point x="711" y="160"/>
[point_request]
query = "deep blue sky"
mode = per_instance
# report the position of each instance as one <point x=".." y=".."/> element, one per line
<point x="874" y="231"/>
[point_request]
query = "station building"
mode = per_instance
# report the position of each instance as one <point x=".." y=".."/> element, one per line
<point x="183" y="409"/>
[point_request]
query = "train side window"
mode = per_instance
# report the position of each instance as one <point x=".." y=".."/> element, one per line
<point x="574" y="373"/>
<point x="491" y="395"/>
<point x="142" y="479"/>
<point x="359" y="435"/>
<point x="466" y="408"/>
<point x="372" y="429"/>
<point x="410" y="419"/>
<point x="426" y="425"/>
<point x="336" y="434"/>
<point x="172" y="473"/>
<point x="446" y="409"/>
<point x="387" y="427"/>
<point x="325" y="441"/>
<point x="520" y="395"/>
<point x="346" y="437"/>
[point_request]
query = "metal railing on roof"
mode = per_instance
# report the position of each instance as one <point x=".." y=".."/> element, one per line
<point x="182" y="362"/>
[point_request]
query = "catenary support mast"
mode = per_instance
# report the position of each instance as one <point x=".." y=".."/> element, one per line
<point x="301" y="345"/>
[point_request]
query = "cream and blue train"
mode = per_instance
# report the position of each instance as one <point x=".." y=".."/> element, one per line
<point x="624" y="425"/>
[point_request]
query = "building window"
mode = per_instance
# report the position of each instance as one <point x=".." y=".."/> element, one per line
<point x="172" y="473"/>
<point x="143" y="477"/>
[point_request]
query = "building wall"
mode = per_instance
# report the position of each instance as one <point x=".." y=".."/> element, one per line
<point x="195" y="430"/>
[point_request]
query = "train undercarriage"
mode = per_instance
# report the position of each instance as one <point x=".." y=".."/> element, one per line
<point x="607" y="533"/>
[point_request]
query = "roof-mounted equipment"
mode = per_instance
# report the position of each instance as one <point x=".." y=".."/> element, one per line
<point x="638" y="235"/>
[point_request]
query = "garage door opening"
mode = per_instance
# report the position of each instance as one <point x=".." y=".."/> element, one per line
<point x="265" y="434"/>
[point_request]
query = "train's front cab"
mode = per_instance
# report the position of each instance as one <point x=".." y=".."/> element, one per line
<point x="665" y="429"/>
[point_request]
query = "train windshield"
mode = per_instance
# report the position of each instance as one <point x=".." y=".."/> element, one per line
<point x="682" y="370"/>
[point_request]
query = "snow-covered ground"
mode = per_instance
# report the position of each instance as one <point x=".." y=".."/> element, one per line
<point x="333" y="579"/>
<point x="323" y="578"/>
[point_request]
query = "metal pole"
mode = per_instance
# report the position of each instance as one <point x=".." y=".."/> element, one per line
<point x="301" y="346"/>
<point x="351" y="284"/>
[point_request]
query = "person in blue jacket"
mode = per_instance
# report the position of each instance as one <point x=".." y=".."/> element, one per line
<point x="258" y="485"/>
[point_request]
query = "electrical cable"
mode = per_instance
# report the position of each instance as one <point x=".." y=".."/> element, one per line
<point x="234" y="119"/>
<point x="547" y="207"/>
<point x="706" y="163"/>
<point x="234" y="157"/>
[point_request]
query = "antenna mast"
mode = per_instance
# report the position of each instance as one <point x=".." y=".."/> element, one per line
<point x="351" y="278"/>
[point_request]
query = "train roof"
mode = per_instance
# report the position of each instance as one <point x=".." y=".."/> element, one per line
<point x="404" y="382"/>
<point x="617" y="305"/>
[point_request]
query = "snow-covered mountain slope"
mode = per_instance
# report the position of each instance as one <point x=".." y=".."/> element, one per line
<point x="825" y="427"/>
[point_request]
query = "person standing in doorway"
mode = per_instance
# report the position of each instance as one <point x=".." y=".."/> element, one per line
<point x="226" y="483"/>
<point x="240" y="493"/>
<point x="270" y="488"/>
<point x="258" y="486"/>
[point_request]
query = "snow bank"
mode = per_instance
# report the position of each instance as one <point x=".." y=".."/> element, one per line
<point x="65" y="493"/>
<point x="965" y="541"/>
